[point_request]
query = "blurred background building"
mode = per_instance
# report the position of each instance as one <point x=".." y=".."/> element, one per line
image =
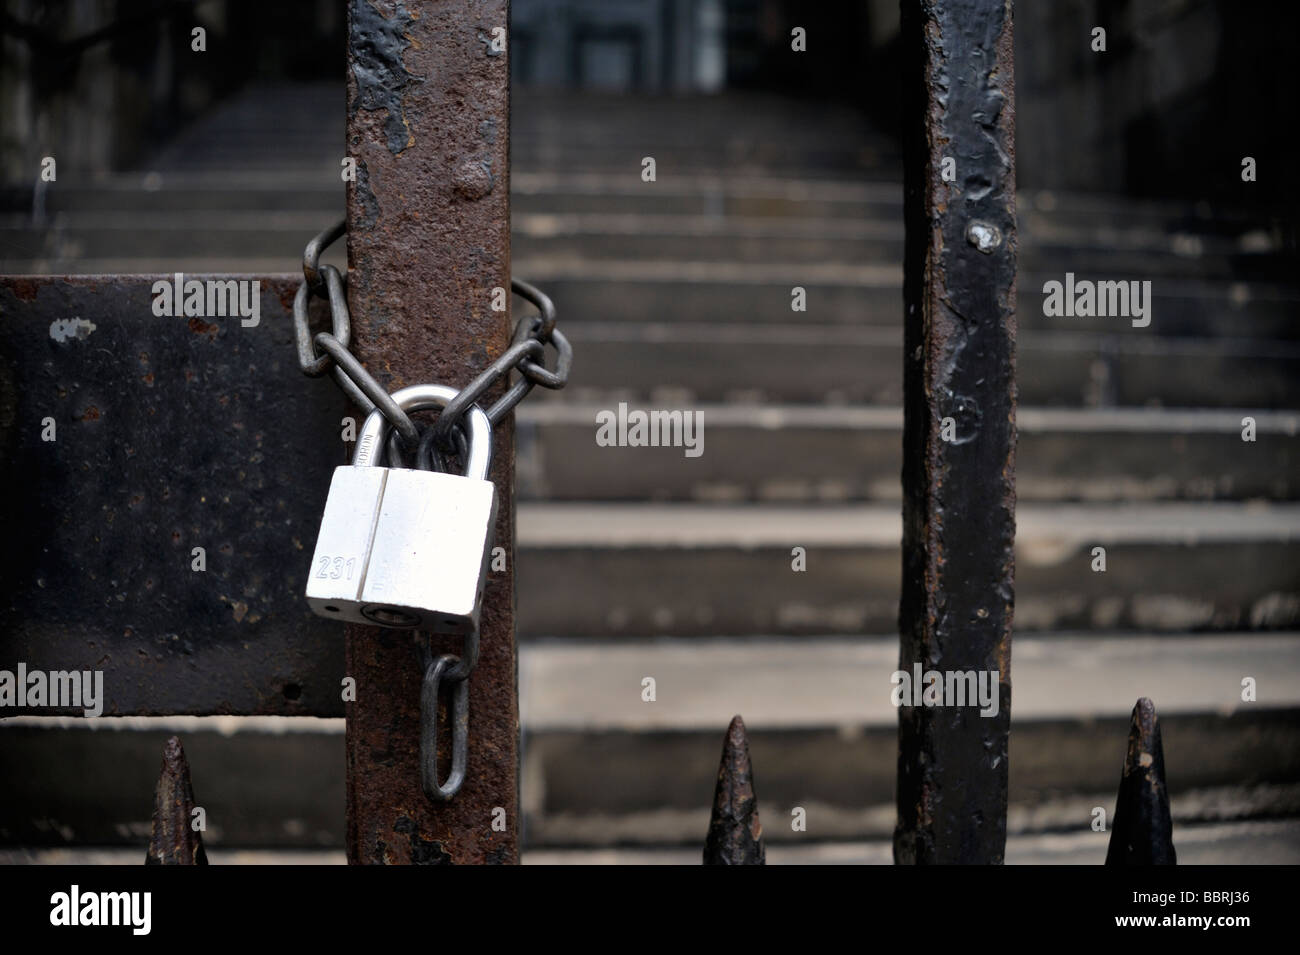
<point x="775" y="170"/>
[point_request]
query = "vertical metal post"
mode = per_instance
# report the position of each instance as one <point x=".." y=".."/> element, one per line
<point x="959" y="421"/>
<point x="428" y="241"/>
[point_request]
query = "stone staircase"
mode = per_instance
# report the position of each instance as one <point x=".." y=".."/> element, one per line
<point x="638" y="562"/>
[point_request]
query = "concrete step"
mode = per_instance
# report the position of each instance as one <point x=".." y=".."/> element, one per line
<point x="569" y="130"/>
<point x="820" y="682"/>
<point x="315" y="183"/>
<point x="760" y="155"/>
<point x="555" y="190"/>
<point x="813" y="707"/>
<point x="539" y="190"/>
<point x="594" y="238"/>
<point x="248" y="150"/>
<point x="866" y="294"/>
<point x="601" y="767"/>
<point x="1265" y="842"/>
<point x="153" y="239"/>
<point x="686" y="140"/>
<point x="680" y="363"/>
<point x="690" y="570"/>
<point x="229" y="262"/>
<point x="825" y="454"/>
<point x="693" y="291"/>
<point x="180" y="194"/>
<point x="1110" y="363"/>
<point x="532" y="193"/>
<point x="1255" y="842"/>
<point x="637" y="801"/>
<point x="591" y="118"/>
<point x="1115" y="248"/>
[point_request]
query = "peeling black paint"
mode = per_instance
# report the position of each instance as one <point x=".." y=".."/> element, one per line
<point x="376" y="57"/>
<point x="423" y="851"/>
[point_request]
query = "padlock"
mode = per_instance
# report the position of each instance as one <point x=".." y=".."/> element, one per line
<point x="405" y="548"/>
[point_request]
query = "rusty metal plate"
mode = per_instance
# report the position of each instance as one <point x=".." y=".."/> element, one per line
<point x="169" y="434"/>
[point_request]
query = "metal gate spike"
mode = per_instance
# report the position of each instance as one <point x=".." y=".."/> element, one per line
<point x="1142" y="829"/>
<point x="735" y="833"/>
<point x="174" y="841"/>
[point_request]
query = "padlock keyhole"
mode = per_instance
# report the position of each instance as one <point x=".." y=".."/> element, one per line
<point x="390" y="617"/>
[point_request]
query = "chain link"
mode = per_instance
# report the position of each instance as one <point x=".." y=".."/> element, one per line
<point x="434" y="674"/>
<point x="445" y="668"/>
<point x="328" y="351"/>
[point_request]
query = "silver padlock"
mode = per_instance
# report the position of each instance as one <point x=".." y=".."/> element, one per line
<point x="405" y="548"/>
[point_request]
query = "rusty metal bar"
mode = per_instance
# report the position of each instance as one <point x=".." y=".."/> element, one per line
<point x="174" y="840"/>
<point x="1142" y="830"/>
<point x="735" y="833"/>
<point x="428" y="240"/>
<point x="958" y="422"/>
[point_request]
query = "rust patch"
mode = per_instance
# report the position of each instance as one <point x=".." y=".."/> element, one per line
<point x="24" y="289"/>
<point x="199" y="327"/>
<point x="286" y="294"/>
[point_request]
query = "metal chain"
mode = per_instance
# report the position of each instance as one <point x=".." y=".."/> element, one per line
<point x="328" y="351"/>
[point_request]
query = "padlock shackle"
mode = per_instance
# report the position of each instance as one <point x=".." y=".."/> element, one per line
<point x="373" y="437"/>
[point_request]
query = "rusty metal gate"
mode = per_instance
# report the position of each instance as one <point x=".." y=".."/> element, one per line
<point x="177" y="436"/>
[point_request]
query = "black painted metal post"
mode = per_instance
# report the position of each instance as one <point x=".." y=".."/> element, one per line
<point x="959" y="423"/>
